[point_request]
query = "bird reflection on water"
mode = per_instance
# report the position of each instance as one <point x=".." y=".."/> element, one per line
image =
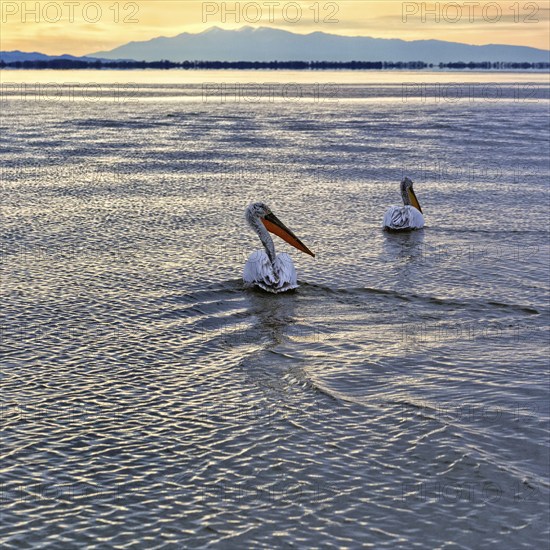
<point x="274" y="315"/>
<point x="407" y="246"/>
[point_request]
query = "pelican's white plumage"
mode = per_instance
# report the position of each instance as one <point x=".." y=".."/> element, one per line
<point x="407" y="217"/>
<point x="277" y="277"/>
<point x="265" y="269"/>
<point x="403" y="218"/>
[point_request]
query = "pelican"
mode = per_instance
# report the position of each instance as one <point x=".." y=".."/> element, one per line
<point x="265" y="269"/>
<point x="408" y="217"/>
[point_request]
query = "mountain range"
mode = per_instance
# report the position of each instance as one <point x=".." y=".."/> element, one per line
<point x="16" y="55"/>
<point x="268" y="44"/>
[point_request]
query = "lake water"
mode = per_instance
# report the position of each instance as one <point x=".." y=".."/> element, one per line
<point x="397" y="399"/>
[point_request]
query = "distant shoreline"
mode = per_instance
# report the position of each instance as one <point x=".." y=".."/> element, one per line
<point x="64" y="64"/>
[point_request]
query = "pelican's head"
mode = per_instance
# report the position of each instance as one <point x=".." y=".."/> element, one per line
<point x="408" y="194"/>
<point x="260" y="211"/>
<point x="257" y="210"/>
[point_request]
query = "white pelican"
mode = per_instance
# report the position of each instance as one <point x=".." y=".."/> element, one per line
<point x="408" y="217"/>
<point x="272" y="272"/>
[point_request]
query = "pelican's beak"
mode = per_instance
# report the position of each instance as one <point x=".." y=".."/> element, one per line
<point x="277" y="227"/>
<point x="414" y="200"/>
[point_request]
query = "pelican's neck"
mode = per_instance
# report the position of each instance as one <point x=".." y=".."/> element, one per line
<point x="404" y="194"/>
<point x="264" y="236"/>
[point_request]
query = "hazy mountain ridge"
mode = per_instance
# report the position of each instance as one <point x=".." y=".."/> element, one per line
<point x="267" y="44"/>
<point x="17" y="55"/>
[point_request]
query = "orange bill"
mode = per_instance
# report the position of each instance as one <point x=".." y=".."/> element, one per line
<point x="277" y="227"/>
<point x="414" y="200"/>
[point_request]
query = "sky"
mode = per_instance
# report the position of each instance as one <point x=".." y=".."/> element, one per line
<point x="81" y="28"/>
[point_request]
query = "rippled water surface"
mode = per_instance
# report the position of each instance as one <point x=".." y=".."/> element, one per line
<point x="397" y="399"/>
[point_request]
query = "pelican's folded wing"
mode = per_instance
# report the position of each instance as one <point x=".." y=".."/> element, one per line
<point x="284" y="268"/>
<point x="416" y="219"/>
<point x="257" y="269"/>
<point x="402" y="218"/>
<point x="393" y="218"/>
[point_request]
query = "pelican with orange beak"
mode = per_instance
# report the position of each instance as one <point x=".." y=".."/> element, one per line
<point x="271" y="272"/>
<point x="407" y="217"/>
